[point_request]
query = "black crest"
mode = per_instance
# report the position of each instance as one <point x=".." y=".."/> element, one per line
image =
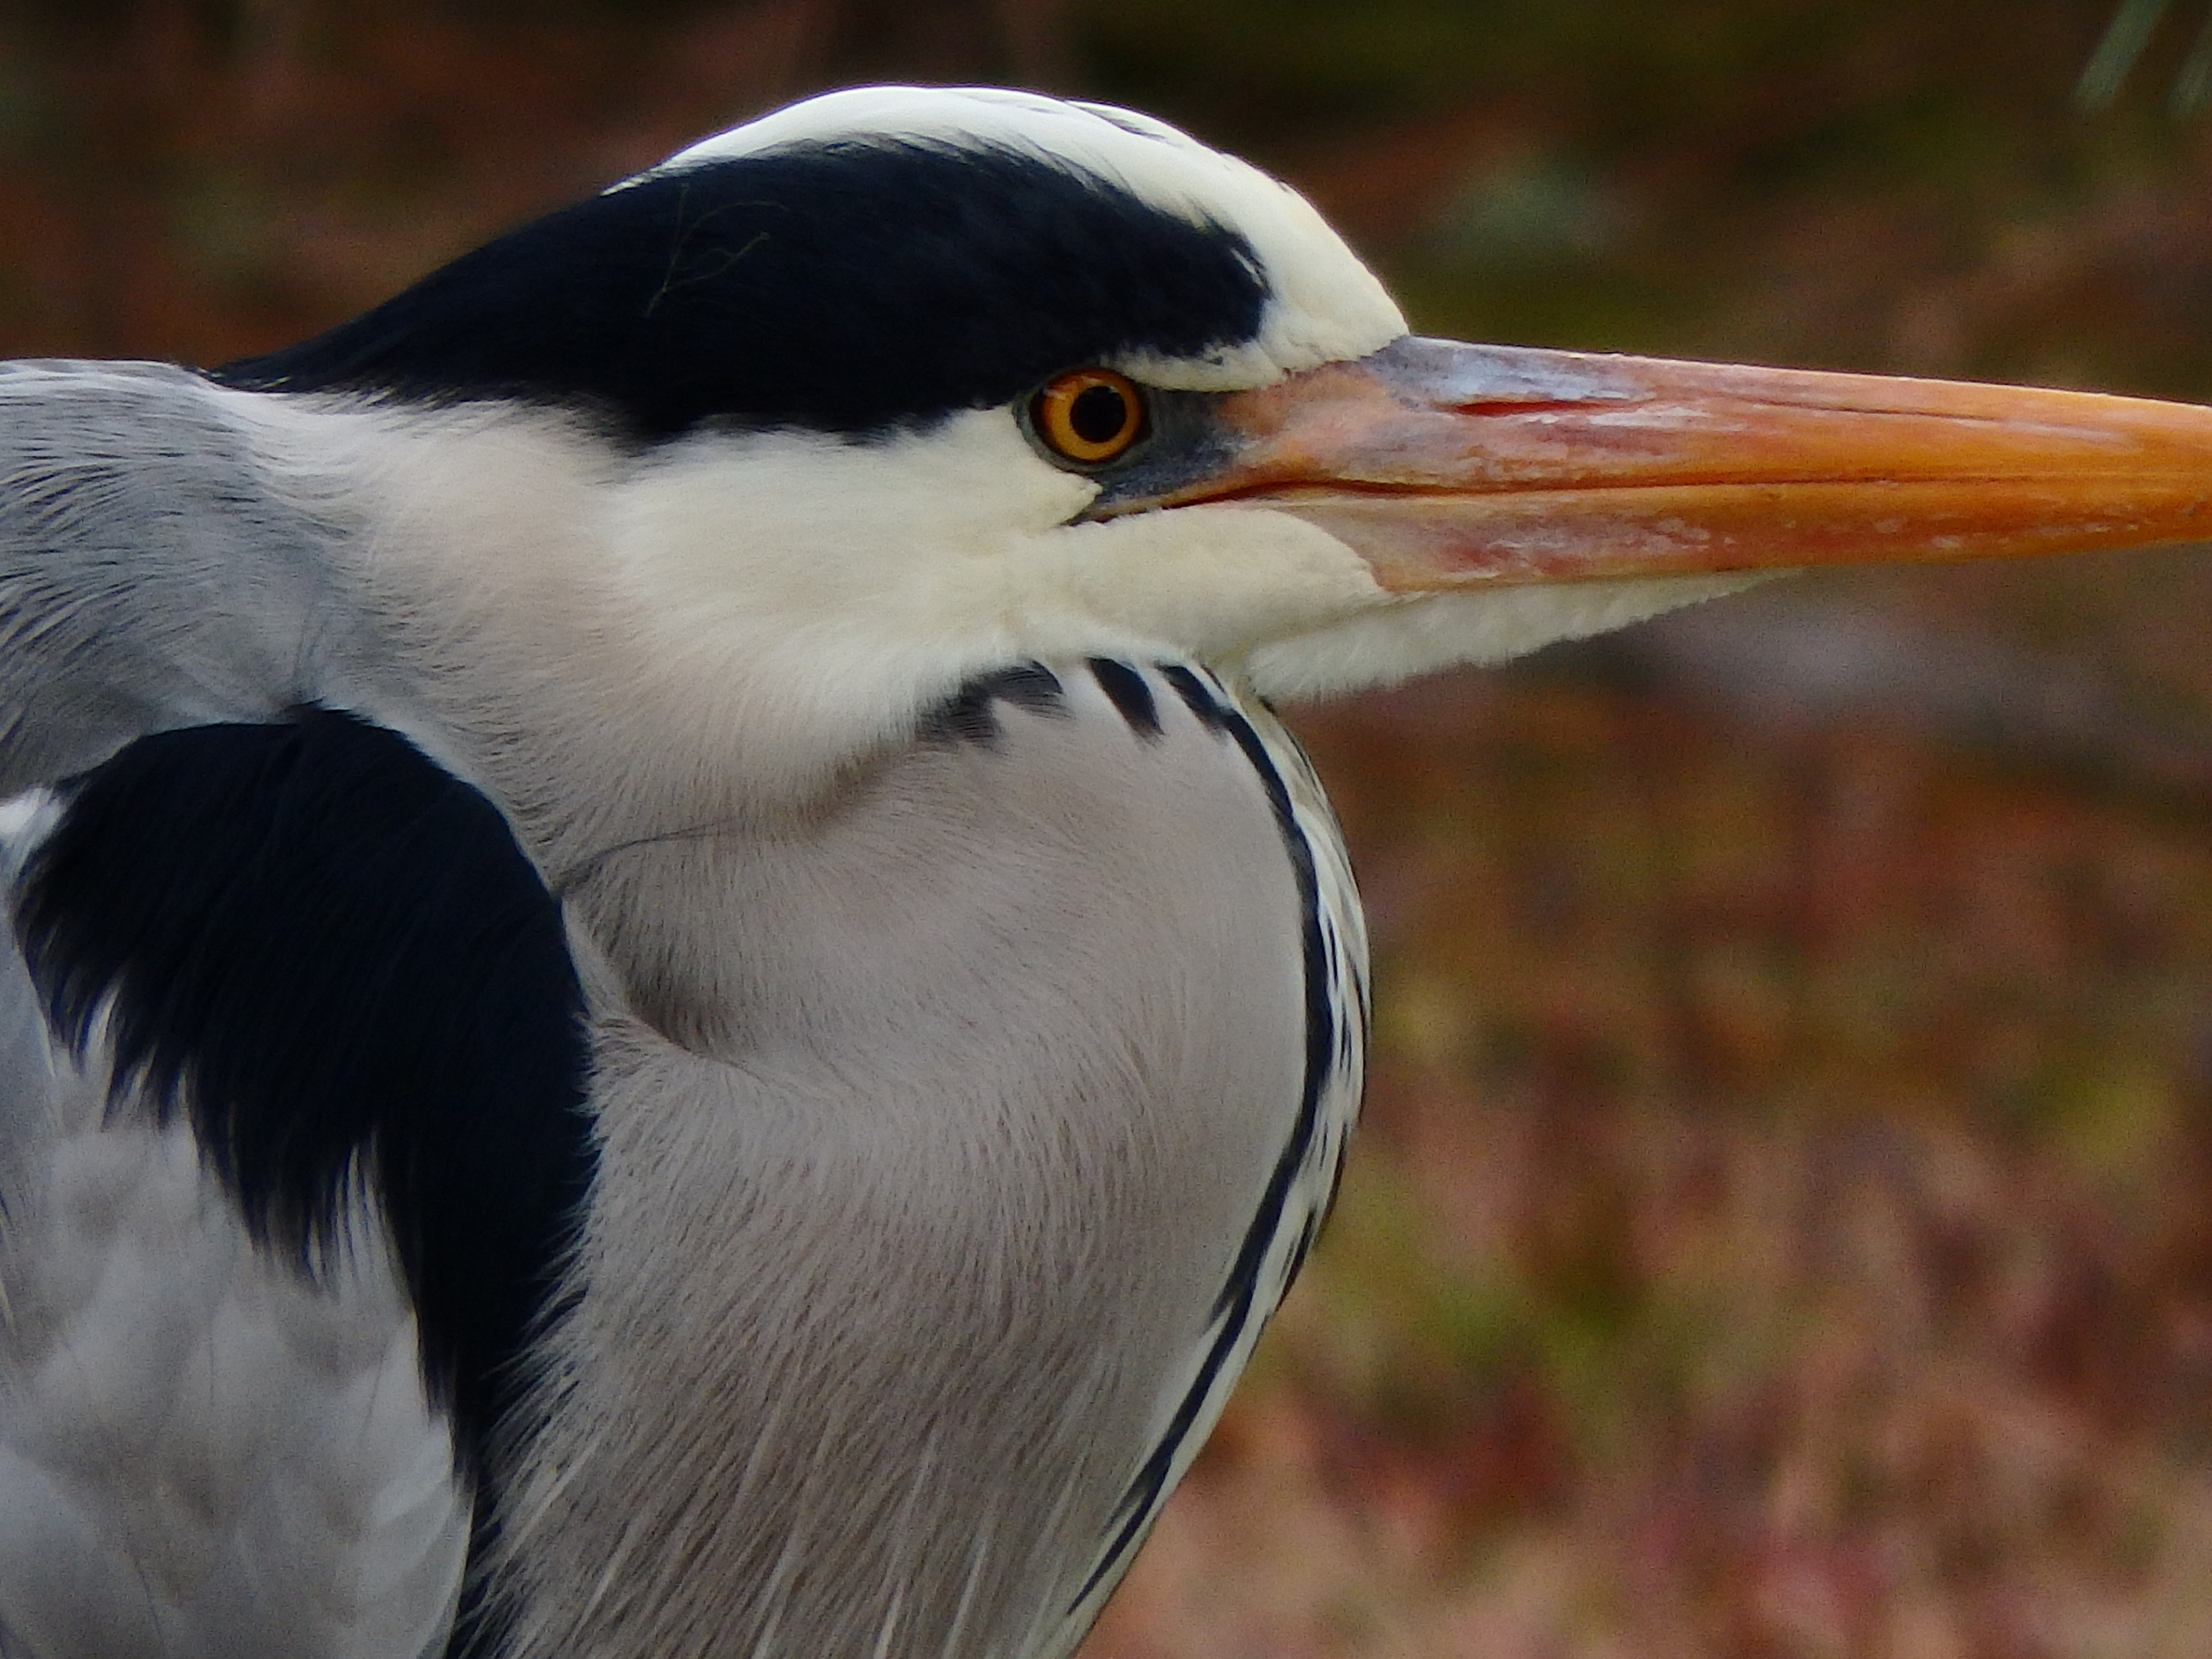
<point x="853" y="286"/>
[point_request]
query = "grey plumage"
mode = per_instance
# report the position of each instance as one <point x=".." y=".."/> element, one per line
<point x="1041" y="1163"/>
<point x="152" y="577"/>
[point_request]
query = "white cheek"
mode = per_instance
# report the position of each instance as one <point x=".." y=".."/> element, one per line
<point x="909" y="538"/>
<point x="817" y="594"/>
<point x="941" y="552"/>
<point x="1209" y="579"/>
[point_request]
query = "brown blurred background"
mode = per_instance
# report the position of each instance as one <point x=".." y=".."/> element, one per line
<point x="1785" y="1223"/>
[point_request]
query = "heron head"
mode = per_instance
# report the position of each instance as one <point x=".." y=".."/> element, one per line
<point x="903" y="385"/>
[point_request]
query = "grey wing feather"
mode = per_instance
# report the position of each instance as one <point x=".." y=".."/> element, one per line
<point x="26" y="1062"/>
<point x="152" y="577"/>
<point x="149" y="577"/>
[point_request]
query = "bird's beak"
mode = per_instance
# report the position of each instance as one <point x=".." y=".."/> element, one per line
<point x="1449" y="466"/>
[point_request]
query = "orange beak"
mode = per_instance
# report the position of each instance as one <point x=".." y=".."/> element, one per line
<point x="1450" y="465"/>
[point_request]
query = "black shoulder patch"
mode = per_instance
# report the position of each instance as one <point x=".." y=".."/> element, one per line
<point x="333" y="957"/>
<point x="855" y="287"/>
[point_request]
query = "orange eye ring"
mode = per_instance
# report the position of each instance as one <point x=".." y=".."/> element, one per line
<point x="1088" y="415"/>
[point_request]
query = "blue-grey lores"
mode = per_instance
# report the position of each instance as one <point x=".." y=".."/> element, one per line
<point x="672" y="992"/>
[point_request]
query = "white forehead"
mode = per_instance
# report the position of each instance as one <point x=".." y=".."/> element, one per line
<point x="1325" y="306"/>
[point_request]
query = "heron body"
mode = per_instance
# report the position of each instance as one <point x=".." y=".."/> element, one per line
<point x="672" y="994"/>
<point x="1029" y="1455"/>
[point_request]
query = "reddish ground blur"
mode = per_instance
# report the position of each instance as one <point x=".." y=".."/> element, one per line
<point x="1781" y="1228"/>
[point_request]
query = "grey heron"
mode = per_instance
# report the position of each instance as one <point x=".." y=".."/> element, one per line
<point x="672" y="993"/>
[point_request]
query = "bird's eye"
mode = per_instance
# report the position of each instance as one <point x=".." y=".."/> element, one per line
<point x="1088" y="415"/>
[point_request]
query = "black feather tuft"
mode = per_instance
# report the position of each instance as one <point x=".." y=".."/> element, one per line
<point x="1125" y="690"/>
<point x="1209" y="709"/>
<point x="972" y="715"/>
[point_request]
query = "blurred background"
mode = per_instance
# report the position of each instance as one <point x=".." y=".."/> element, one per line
<point x="1783" y="1225"/>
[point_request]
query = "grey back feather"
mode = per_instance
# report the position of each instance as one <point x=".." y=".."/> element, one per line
<point x="149" y="576"/>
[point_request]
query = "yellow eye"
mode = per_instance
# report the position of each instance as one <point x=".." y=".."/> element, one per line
<point x="1089" y="415"/>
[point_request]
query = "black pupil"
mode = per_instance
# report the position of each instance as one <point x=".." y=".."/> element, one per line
<point x="1098" y="413"/>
